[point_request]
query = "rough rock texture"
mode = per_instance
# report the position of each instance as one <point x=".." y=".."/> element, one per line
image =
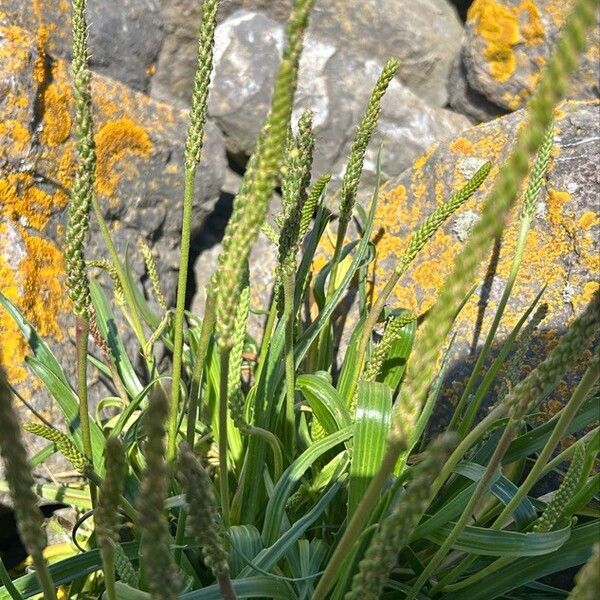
<point x="333" y="84"/>
<point x="124" y="39"/>
<point x="508" y="41"/>
<point x="139" y="183"/>
<point x="423" y="34"/>
<point x="465" y="99"/>
<point x="563" y="248"/>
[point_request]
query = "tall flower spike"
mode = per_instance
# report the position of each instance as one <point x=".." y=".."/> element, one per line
<point x="63" y="442"/>
<point x="396" y="529"/>
<point x="107" y="511"/>
<point x="554" y="509"/>
<point x="512" y="371"/>
<point x="251" y="203"/>
<point x="550" y="90"/>
<point x="296" y="177"/>
<point x="204" y="520"/>
<point x="234" y="384"/>
<point x="198" y="111"/>
<point x="538" y="173"/>
<point x="587" y="581"/>
<point x="390" y="335"/>
<point x="20" y="483"/>
<point x="83" y="183"/>
<point x="549" y="372"/>
<point x="311" y="203"/>
<point x="431" y="224"/>
<point x="362" y="138"/>
<point x="156" y="555"/>
<point x="152" y="270"/>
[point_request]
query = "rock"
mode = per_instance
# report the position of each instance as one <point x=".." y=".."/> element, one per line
<point x="466" y="100"/>
<point x="423" y="34"/>
<point x="507" y="41"/>
<point x="333" y="84"/>
<point x="124" y="39"/>
<point x="139" y="185"/>
<point x="563" y="247"/>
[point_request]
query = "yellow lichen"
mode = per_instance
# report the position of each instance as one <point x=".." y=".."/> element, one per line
<point x="499" y="28"/>
<point x="18" y="134"/>
<point x="57" y="117"/>
<point x="462" y="146"/>
<point x="114" y="140"/>
<point x="502" y="28"/>
<point x="588" y="220"/>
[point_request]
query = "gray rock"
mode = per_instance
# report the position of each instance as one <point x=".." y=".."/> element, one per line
<point x="125" y="37"/>
<point x="333" y="84"/>
<point x="139" y="185"/>
<point x="466" y="100"/>
<point x="507" y="41"/>
<point x="423" y="34"/>
<point x="562" y="251"/>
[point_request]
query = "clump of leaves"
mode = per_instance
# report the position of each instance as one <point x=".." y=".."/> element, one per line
<point x="275" y="476"/>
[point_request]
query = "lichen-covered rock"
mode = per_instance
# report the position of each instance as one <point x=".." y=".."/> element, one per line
<point x="465" y="99"/>
<point x="508" y="41"/>
<point x="139" y="185"/>
<point x="423" y="34"/>
<point x="125" y="37"/>
<point x="333" y="84"/>
<point x="563" y="247"/>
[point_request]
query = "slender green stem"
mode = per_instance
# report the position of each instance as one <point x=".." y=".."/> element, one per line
<point x="223" y="466"/>
<point x="473" y="407"/>
<point x="359" y="519"/>
<point x="206" y="331"/>
<point x="467" y="514"/>
<point x="82" y="330"/>
<point x="43" y="575"/>
<point x="186" y="232"/>
<point x="266" y="339"/>
<point x="566" y="416"/>
<point x="108" y="566"/>
<point x="568" y="453"/>
<point x="8" y="584"/>
<point x="290" y="387"/>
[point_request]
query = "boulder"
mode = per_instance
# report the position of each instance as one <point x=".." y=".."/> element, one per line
<point x="423" y="34"/>
<point x="505" y="44"/>
<point x="333" y="84"/>
<point x="563" y="247"/>
<point x="139" y="185"/>
<point x="125" y="37"/>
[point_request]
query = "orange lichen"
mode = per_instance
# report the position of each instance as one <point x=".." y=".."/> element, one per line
<point x="588" y="220"/>
<point x="114" y="140"/>
<point x="462" y="146"/>
<point x="57" y="117"/>
<point x="556" y="200"/>
<point x="17" y="132"/>
<point x="502" y="28"/>
<point x="499" y="28"/>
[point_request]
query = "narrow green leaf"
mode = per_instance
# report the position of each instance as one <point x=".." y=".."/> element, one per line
<point x="371" y="427"/>
<point x="327" y="405"/>
<point x="108" y="328"/>
<point x="573" y="552"/>
<point x="489" y="542"/>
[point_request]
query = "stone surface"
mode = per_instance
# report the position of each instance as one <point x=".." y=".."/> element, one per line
<point x="125" y="37"/>
<point x="508" y="41"/>
<point x="423" y="34"/>
<point x="139" y="185"/>
<point x="333" y="84"/>
<point x="466" y="100"/>
<point x="563" y="247"/>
